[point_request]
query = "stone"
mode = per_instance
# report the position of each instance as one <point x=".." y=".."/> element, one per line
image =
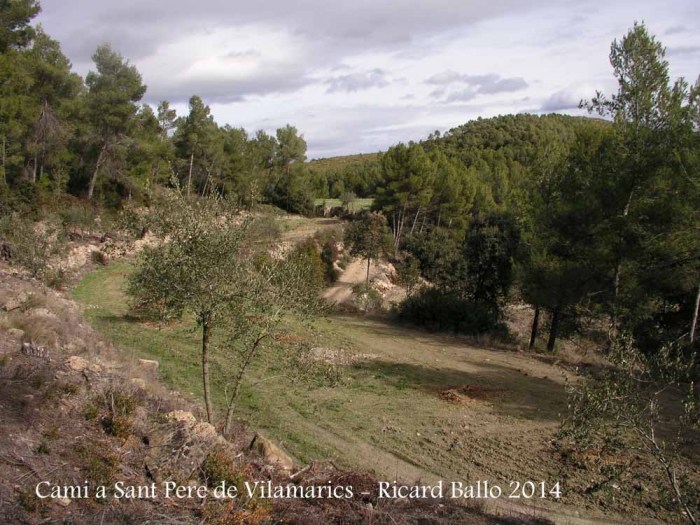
<point x="77" y="363"/>
<point x="149" y="364"/>
<point x="42" y="312"/>
<point x="16" y="333"/>
<point x="272" y="454"/>
<point x="137" y="381"/>
<point x="179" y="445"/>
<point x="34" y="350"/>
<point x="63" y="502"/>
<point x="15" y="302"/>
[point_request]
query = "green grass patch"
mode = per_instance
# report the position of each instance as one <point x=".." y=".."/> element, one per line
<point x="356" y="205"/>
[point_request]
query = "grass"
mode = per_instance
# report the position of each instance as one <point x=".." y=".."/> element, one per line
<point x="356" y="205"/>
<point x="386" y="414"/>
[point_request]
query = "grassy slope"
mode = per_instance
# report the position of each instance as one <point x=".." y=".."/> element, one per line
<point x="386" y="415"/>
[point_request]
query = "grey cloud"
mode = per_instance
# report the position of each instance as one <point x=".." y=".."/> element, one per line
<point x="218" y="90"/>
<point x="335" y="24"/>
<point x="333" y="29"/>
<point x="475" y="85"/>
<point x="683" y="50"/>
<point x="502" y="85"/>
<point x="673" y="30"/>
<point x="464" y="95"/>
<point x="559" y="101"/>
<point x="357" y="81"/>
<point x="446" y="77"/>
<point x="491" y="83"/>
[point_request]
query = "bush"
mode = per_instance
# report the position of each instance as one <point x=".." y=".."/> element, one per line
<point x="98" y="257"/>
<point x="30" y="245"/>
<point x="329" y="255"/>
<point x="306" y="256"/>
<point x="366" y="298"/>
<point x="437" y="310"/>
<point x="114" y="408"/>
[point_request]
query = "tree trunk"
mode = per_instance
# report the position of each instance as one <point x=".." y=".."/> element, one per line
<point x="98" y="165"/>
<point x="36" y="157"/>
<point x="4" y="173"/>
<point x="238" y="380"/>
<point x="367" y="280"/>
<point x="612" y="333"/>
<point x="205" y="367"/>
<point x="415" y="219"/>
<point x="535" y="326"/>
<point x="189" y="175"/>
<point x="694" y="324"/>
<point x="553" y="329"/>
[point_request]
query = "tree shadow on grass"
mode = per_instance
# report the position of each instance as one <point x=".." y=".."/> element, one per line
<point x="508" y="391"/>
<point x="381" y="327"/>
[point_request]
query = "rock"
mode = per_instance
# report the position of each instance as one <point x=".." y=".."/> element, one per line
<point x="34" y="350"/>
<point x="63" y="502"/>
<point x="149" y="364"/>
<point x="77" y="363"/>
<point x="273" y="454"/>
<point x="15" y="302"/>
<point x="137" y="381"/>
<point x="179" y="445"/>
<point x="42" y="312"/>
<point x="16" y="333"/>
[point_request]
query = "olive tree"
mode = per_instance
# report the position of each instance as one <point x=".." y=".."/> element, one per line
<point x="213" y="265"/>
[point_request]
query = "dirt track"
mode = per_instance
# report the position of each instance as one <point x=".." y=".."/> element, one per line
<point x="354" y="273"/>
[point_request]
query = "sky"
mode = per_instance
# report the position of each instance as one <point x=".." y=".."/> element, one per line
<point x="359" y="76"/>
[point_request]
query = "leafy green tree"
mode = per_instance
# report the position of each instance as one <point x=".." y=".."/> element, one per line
<point x="290" y="151"/>
<point x="408" y="175"/>
<point x="214" y="267"/>
<point x="197" y="139"/>
<point x="629" y="405"/>
<point x="113" y="92"/>
<point x="167" y="118"/>
<point x="15" y="17"/>
<point x="652" y="119"/>
<point x="489" y="252"/>
<point x="368" y="237"/>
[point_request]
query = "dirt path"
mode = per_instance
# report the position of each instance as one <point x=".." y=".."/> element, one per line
<point x="354" y="273"/>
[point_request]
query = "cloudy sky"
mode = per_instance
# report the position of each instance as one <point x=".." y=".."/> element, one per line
<point x="359" y="76"/>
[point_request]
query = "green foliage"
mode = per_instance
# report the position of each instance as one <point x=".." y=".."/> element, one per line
<point x="15" y="16"/>
<point x="440" y="310"/>
<point x="31" y="245"/>
<point x="215" y="270"/>
<point x="368" y="237"/>
<point x="306" y="255"/>
<point x="490" y="248"/>
<point x="329" y="256"/>
<point x="635" y="401"/>
<point x="358" y="174"/>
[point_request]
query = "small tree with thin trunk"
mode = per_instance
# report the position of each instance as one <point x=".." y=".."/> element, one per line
<point x="644" y="404"/>
<point x="369" y="237"/>
<point x="211" y="265"/>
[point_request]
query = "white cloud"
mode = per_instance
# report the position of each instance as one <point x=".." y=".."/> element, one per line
<point x="360" y="76"/>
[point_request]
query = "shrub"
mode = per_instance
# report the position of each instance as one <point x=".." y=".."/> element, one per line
<point x="98" y="257"/>
<point x="435" y="309"/>
<point x="367" y="299"/>
<point x="30" y="245"/>
<point x="114" y="408"/>
<point x="329" y="255"/>
<point x="98" y="462"/>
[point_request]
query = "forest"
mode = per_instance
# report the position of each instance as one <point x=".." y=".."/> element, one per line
<point x="592" y="223"/>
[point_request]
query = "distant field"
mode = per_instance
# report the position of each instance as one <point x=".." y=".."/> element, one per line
<point x="357" y="205"/>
